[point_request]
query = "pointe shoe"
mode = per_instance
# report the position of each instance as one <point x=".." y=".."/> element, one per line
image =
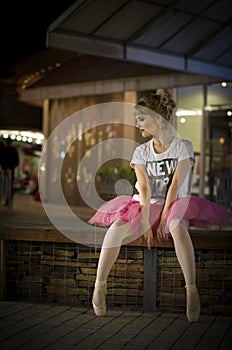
<point x="100" y="310"/>
<point x="193" y="315"/>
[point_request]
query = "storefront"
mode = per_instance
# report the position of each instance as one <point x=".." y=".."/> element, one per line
<point x="29" y="146"/>
<point x="203" y="115"/>
<point x="212" y="136"/>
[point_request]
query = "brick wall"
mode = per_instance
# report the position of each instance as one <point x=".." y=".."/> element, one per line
<point x="65" y="273"/>
<point x="214" y="279"/>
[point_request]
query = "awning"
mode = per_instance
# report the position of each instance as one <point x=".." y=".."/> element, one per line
<point x="19" y="115"/>
<point x="188" y="36"/>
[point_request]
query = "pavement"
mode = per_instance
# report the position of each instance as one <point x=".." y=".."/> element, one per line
<point x="27" y="212"/>
<point x="30" y="326"/>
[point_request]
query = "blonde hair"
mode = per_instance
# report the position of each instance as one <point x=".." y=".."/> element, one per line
<point x="158" y="102"/>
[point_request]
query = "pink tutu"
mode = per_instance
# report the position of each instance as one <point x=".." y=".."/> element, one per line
<point x="198" y="211"/>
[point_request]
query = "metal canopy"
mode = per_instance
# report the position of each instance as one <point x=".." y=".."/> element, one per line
<point x="189" y="36"/>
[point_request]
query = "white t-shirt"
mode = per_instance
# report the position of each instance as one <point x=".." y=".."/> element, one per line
<point x="160" y="167"/>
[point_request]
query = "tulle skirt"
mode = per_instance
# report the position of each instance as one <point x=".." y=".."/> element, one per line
<point x="199" y="212"/>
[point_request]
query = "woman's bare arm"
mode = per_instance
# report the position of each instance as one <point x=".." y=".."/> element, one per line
<point x="179" y="176"/>
<point x="145" y="196"/>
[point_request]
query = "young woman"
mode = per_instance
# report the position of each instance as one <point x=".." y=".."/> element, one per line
<point x="162" y="207"/>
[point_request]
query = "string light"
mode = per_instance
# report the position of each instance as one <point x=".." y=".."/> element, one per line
<point x="23" y="136"/>
<point x="32" y="78"/>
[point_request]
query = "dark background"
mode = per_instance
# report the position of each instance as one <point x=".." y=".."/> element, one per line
<point x="23" y="28"/>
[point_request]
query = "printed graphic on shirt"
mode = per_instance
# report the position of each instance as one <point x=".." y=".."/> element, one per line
<point x="160" y="175"/>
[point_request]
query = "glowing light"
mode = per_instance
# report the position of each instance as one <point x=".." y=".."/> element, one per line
<point x="182" y="120"/>
<point x="186" y="112"/>
<point x="221" y="140"/>
<point x="224" y="84"/>
<point x="62" y="154"/>
<point x="24" y="136"/>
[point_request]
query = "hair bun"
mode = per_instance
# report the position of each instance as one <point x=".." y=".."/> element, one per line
<point x="164" y="100"/>
<point x="160" y="102"/>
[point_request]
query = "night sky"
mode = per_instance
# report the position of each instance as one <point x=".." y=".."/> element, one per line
<point x="23" y="30"/>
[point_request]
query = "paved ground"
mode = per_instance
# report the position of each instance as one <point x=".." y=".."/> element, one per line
<point x="30" y="326"/>
<point x="26" y="212"/>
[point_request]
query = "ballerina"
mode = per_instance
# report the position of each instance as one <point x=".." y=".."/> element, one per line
<point x="162" y="207"/>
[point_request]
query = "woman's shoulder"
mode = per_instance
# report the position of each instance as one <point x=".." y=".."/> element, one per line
<point x="184" y="142"/>
<point x="143" y="150"/>
<point x="183" y="146"/>
<point x="188" y="144"/>
<point x="145" y="145"/>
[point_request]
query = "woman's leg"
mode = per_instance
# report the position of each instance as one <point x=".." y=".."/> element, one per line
<point x="109" y="253"/>
<point x="185" y="255"/>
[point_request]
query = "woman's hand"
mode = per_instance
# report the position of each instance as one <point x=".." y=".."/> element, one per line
<point x="148" y="238"/>
<point x="161" y="234"/>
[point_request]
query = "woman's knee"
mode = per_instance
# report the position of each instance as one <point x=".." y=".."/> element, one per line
<point x="178" y="227"/>
<point x="115" y="234"/>
<point x="117" y="224"/>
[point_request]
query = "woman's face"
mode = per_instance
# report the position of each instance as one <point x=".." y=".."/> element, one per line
<point x="147" y="125"/>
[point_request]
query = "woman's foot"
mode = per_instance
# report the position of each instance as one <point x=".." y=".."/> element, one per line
<point x="99" y="298"/>
<point x="193" y="303"/>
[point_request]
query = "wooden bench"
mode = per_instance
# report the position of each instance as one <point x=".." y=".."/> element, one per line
<point x="206" y="240"/>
